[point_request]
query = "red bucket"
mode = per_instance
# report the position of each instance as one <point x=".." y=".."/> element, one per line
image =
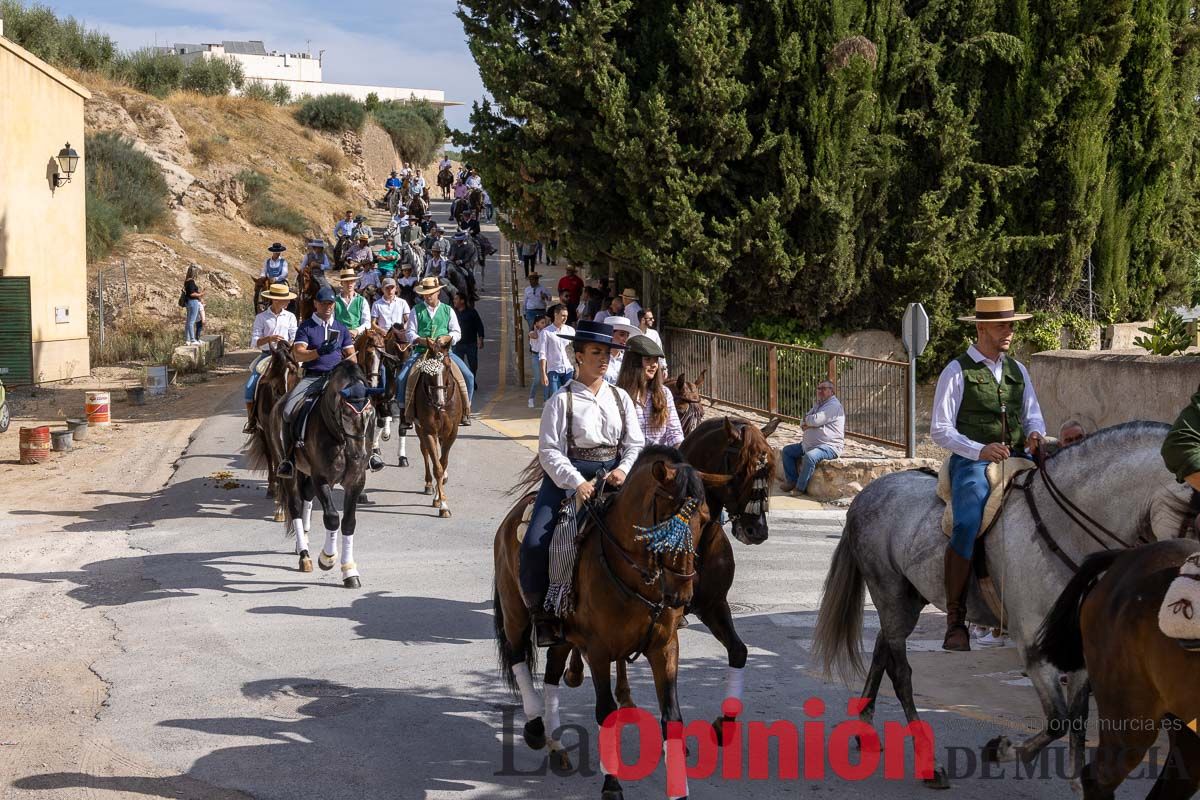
<point x="35" y="444"/>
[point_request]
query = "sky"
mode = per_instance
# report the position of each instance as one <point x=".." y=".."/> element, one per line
<point x="415" y="44"/>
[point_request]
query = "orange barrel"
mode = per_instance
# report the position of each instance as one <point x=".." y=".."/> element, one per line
<point x="97" y="408"/>
<point x="35" y="444"/>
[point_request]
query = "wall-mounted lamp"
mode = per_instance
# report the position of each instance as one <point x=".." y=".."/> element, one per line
<point x="68" y="160"/>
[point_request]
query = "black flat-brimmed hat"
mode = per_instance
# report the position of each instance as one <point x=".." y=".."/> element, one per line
<point x="276" y="248"/>
<point x="589" y="332"/>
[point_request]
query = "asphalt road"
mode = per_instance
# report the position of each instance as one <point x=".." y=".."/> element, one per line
<point x="237" y="671"/>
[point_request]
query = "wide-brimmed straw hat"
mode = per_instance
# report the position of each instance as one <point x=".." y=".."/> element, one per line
<point x="278" y="291"/>
<point x="589" y="332"/>
<point x="276" y="248"/>
<point x="347" y="275"/>
<point x="630" y="293"/>
<point x="622" y="324"/>
<point x="428" y="285"/>
<point x="643" y="345"/>
<point x="995" y="309"/>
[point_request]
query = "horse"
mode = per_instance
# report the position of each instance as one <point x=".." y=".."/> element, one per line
<point x="687" y="401"/>
<point x="475" y="201"/>
<point x="307" y="287"/>
<point x="445" y="180"/>
<point x="335" y="451"/>
<point x="378" y="362"/>
<point x="893" y="546"/>
<point x="630" y="593"/>
<point x="418" y="207"/>
<point x="280" y="377"/>
<point x="436" y="412"/>
<point x="261" y="284"/>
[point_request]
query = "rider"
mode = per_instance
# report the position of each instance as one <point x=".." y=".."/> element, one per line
<point x="274" y="324"/>
<point x="350" y="308"/>
<point x="473" y="180"/>
<point x="275" y="268"/>
<point x="1181" y="448"/>
<point x="433" y="319"/>
<point x="587" y="427"/>
<point x="984" y="410"/>
<point x="315" y="259"/>
<point x="361" y="228"/>
<point x="345" y="226"/>
<point x="390" y="185"/>
<point x="418" y="185"/>
<point x="444" y="163"/>
<point x="321" y="342"/>
<point x="361" y="253"/>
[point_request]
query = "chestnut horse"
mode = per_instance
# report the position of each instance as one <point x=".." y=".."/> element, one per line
<point x="281" y="375"/>
<point x="1109" y="625"/>
<point x="436" y="412"/>
<point x="687" y="401"/>
<point x="634" y="576"/>
<point x="380" y="357"/>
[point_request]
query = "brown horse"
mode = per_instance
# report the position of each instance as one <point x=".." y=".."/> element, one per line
<point x="307" y="287"/>
<point x="280" y="376"/>
<point x="629" y="595"/>
<point x="445" y="181"/>
<point x="1109" y="625"/>
<point x="380" y="355"/>
<point x="418" y="208"/>
<point x="436" y="411"/>
<point x="687" y="401"/>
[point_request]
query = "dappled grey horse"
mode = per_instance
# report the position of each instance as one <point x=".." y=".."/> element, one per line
<point x="893" y="546"/>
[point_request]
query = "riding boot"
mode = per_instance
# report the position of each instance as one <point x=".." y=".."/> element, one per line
<point x="249" y="426"/>
<point x="547" y="628"/>
<point x="286" y="468"/>
<point x="958" y="572"/>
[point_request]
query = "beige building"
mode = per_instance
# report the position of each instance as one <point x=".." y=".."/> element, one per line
<point x="43" y="261"/>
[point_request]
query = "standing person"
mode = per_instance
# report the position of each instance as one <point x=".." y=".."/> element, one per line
<point x="587" y="428"/>
<point x="642" y="377"/>
<point x="824" y="438"/>
<point x="616" y="308"/>
<point x="321" y="342"/>
<point x="274" y="324"/>
<point x="572" y="284"/>
<point x="528" y="252"/>
<point x="534" y="337"/>
<point x="351" y="307"/>
<point x="554" y="360"/>
<point x="629" y="299"/>
<point x="191" y="298"/>
<point x="389" y="311"/>
<point x="984" y="410"/>
<point x="275" y="268"/>
<point x="592" y="303"/>
<point x="564" y="300"/>
<point x="536" y="298"/>
<point x="471" y="343"/>
<point x="552" y="249"/>
<point x="487" y="205"/>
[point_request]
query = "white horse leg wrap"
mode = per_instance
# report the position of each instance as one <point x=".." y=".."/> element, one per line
<point x="673" y="753"/>
<point x="307" y="515"/>
<point x="330" y="548"/>
<point x="387" y="429"/>
<point x="348" y="567"/>
<point x="301" y="536"/>
<point x="552" y="721"/>
<point x="529" y="698"/>
<point x="734" y="677"/>
<point x="403" y="452"/>
<point x="603" y="769"/>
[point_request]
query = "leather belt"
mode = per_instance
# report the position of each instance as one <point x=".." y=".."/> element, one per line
<point x="601" y="453"/>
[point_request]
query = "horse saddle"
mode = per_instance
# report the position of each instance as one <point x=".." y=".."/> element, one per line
<point x="1000" y="475"/>
<point x="299" y="421"/>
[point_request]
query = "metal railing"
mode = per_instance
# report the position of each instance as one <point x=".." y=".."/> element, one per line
<point x="781" y="380"/>
<point x="520" y="343"/>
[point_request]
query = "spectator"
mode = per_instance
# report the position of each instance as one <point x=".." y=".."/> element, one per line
<point x="824" y="438"/>
<point x="539" y="323"/>
<point x="528" y="252"/>
<point x="350" y="308"/>
<point x="632" y="307"/>
<point x="391" y="310"/>
<point x="572" y="284"/>
<point x="646" y="325"/>
<point x="564" y="300"/>
<point x="536" y="298"/>
<point x="191" y="299"/>
<point x="642" y="377"/>
<point x="593" y="301"/>
<point x="616" y="308"/>
<point x="1071" y="433"/>
<point x="487" y="205"/>
<point x="471" y="343"/>
<point x="555" y="355"/>
<point x="622" y="330"/>
<point x="552" y="249"/>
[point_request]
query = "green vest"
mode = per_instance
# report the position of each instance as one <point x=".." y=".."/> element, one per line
<point x="431" y="326"/>
<point x="986" y="404"/>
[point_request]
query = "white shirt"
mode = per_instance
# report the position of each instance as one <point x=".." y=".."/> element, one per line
<point x="554" y="350"/>
<point x="268" y="323"/>
<point x="475" y="182"/>
<point x="536" y="298"/>
<point x="417" y="185"/>
<point x="948" y="399"/>
<point x="368" y="278"/>
<point x="826" y="426"/>
<point x="410" y="332"/>
<point x="436" y="266"/>
<point x="389" y="314"/>
<point x="615" y="360"/>
<point x="275" y="262"/>
<point x="597" y="423"/>
<point x="445" y="162"/>
<point x="631" y="312"/>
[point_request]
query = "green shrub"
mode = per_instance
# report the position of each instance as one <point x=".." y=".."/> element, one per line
<point x="265" y="211"/>
<point x="333" y="112"/>
<point x="332" y="156"/>
<point x="257" y="90"/>
<point x="787" y="330"/>
<point x="1167" y="335"/>
<point x="281" y="94"/>
<point x="372" y="101"/>
<point x="417" y="128"/>
<point x="62" y="42"/>
<point x="125" y="188"/>
<point x="1043" y="332"/>
<point x="213" y="76"/>
<point x="335" y="185"/>
<point x="158" y="74"/>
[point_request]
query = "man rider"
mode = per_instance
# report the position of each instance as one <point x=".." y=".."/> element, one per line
<point x="345" y="227"/>
<point x="473" y="180"/>
<point x="1181" y="450"/>
<point x="321" y="342"/>
<point x="984" y="410"/>
<point x="444" y="163"/>
<point x="361" y="253"/>
<point x="433" y="319"/>
<point x="390" y="185"/>
<point x="418" y="185"/>
<point x="462" y="251"/>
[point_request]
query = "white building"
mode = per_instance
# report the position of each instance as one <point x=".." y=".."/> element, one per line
<point x="300" y="72"/>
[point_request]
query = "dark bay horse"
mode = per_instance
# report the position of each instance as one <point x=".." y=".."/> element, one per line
<point x="445" y="180"/>
<point x="630" y="590"/>
<point x="418" y="208"/>
<point x="277" y="380"/>
<point x="380" y="364"/>
<point x="337" y="445"/>
<point x="436" y="411"/>
<point x="1109" y="625"/>
<point x="687" y="401"/>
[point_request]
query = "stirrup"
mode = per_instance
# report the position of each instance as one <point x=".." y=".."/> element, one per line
<point x="285" y="468"/>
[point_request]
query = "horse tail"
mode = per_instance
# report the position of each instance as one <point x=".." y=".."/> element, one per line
<point x="1060" y="639"/>
<point x="837" y="639"/>
<point x="256" y="451"/>
<point x="529" y="478"/>
<point x="504" y="653"/>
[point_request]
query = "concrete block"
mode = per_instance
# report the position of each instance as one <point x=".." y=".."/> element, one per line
<point x="842" y="478"/>
<point x="1121" y="335"/>
<point x="186" y="358"/>
<point x="214" y="347"/>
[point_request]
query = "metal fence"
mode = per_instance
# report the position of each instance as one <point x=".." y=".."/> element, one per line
<point x="781" y="380"/>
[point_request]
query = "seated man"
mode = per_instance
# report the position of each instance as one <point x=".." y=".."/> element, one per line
<point x="1070" y="433"/>
<point x="345" y="227"/>
<point x="321" y="342"/>
<point x="824" y="438"/>
<point x="391" y="185"/>
<point x="433" y="319"/>
<point x="387" y="258"/>
<point x="360" y="256"/>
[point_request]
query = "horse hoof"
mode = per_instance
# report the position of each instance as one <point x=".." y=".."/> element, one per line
<point x="305" y="564"/>
<point x="270" y="493"/>
<point x="612" y="789"/>
<point x="560" y="761"/>
<point x="998" y="750"/>
<point x="428" y="490"/>
<point x="535" y="733"/>
<point x="280" y="516"/>
<point x="403" y="461"/>
<point x="572" y="678"/>
<point x="325" y="562"/>
<point x="352" y="582"/>
<point x="939" y="779"/>
<point x="444" y="513"/>
<point x="717" y="727"/>
<point x="387" y="437"/>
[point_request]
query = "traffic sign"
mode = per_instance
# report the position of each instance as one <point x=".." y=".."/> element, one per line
<point x="915" y="329"/>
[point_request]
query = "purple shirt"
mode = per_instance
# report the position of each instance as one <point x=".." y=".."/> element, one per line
<point x="312" y="333"/>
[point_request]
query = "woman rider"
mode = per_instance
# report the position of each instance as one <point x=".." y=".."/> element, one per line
<point x="588" y="427"/>
<point x="642" y="377"/>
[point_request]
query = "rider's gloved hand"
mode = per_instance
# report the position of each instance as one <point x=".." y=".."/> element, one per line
<point x="327" y="347"/>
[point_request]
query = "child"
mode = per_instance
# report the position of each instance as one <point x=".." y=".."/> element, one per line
<point x="540" y="321"/>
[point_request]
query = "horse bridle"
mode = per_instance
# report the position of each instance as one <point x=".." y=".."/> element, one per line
<point x="759" y="500"/>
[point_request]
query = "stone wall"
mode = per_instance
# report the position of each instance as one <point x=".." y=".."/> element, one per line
<point x="1112" y="386"/>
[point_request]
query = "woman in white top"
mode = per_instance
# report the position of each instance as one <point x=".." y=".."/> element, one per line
<point x="275" y="324"/>
<point x="536" y="299"/>
<point x="588" y="427"/>
<point x="642" y="377"/>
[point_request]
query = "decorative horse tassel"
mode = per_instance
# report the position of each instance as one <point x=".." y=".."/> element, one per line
<point x="672" y="535"/>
